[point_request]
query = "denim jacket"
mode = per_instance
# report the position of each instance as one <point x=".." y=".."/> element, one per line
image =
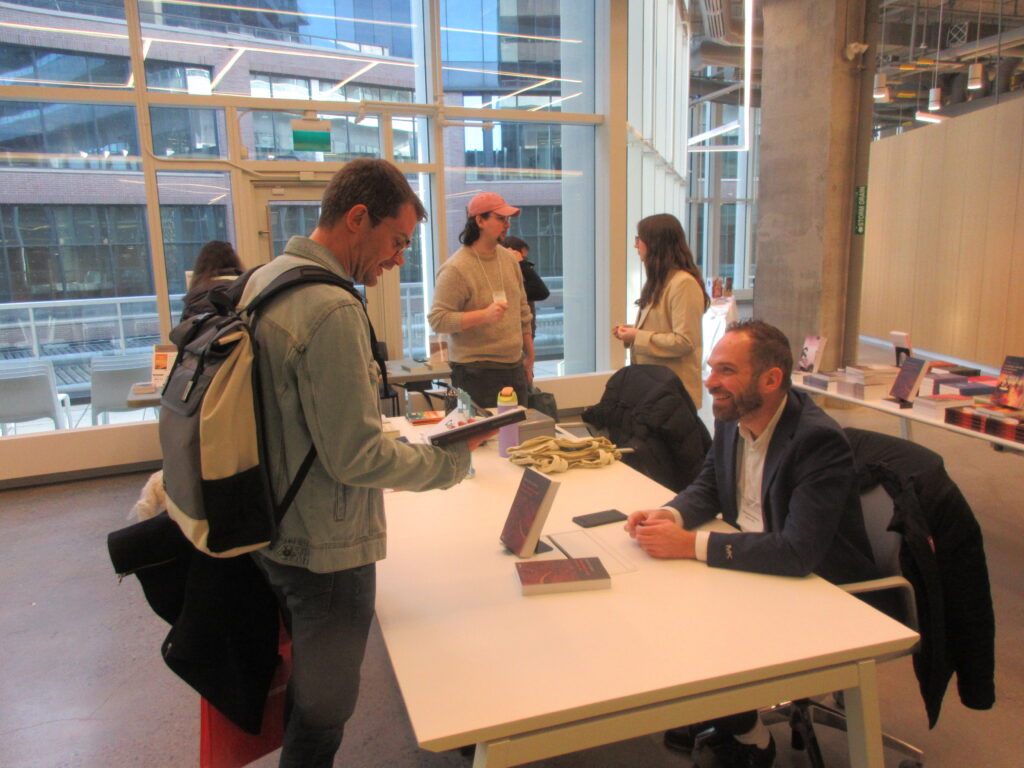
<point x="320" y="385"/>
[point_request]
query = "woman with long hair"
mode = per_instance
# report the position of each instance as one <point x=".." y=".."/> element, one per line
<point x="672" y="303"/>
<point x="217" y="265"/>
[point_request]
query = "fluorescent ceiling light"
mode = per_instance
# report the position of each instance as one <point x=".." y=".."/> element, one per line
<point x="928" y="117"/>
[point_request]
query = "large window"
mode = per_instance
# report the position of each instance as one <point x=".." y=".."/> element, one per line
<point x="98" y="224"/>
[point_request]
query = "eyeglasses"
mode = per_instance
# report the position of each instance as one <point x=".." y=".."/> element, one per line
<point x="401" y="241"/>
<point x="499" y="217"/>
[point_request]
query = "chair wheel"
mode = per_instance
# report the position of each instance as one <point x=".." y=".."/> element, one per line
<point x="911" y="764"/>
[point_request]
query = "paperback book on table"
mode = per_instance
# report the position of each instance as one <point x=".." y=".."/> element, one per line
<point x="1010" y="384"/>
<point x="537" y="577"/>
<point x="872" y="373"/>
<point x="984" y="419"/>
<point x="934" y="379"/>
<point x="861" y="391"/>
<point x="934" y="406"/>
<point x="975" y="386"/>
<point x="529" y="511"/>
<point x="827" y="382"/>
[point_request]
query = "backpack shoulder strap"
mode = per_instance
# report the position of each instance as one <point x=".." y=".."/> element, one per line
<point x="296" y="276"/>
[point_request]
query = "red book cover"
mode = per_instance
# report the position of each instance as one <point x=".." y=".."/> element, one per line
<point x="540" y="576"/>
<point x="529" y="510"/>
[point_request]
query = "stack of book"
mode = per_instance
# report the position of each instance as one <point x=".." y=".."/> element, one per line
<point x="935" y="378"/>
<point x="867" y="382"/>
<point x="827" y="382"/>
<point x="995" y="420"/>
<point x="935" y="406"/>
<point x="974" y="386"/>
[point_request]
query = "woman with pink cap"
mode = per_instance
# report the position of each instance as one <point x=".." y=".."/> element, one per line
<point x="480" y="302"/>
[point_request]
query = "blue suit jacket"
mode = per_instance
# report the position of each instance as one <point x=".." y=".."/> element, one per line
<point x="809" y="497"/>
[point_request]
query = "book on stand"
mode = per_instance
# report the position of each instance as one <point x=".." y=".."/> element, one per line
<point x="901" y="343"/>
<point x="810" y="357"/>
<point x="908" y="381"/>
<point x="1010" y="385"/>
<point x="529" y="510"/>
<point x="537" y="577"/>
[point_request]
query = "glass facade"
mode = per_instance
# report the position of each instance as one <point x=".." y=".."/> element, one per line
<point x="98" y="224"/>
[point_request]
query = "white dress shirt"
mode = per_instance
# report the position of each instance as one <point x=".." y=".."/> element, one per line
<point x="750" y="455"/>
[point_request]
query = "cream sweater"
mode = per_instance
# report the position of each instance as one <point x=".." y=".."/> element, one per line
<point x="467" y="282"/>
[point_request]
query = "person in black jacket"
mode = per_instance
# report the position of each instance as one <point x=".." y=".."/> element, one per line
<point x="536" y="290"/>
<point x="217" y="265"/>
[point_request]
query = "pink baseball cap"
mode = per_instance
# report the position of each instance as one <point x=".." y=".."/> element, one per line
<point x="490" y="202"/>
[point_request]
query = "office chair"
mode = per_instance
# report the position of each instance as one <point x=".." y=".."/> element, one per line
<point x="111" y="380"/>
<point x="896" y="598"/>
<point x="28" y="391"/>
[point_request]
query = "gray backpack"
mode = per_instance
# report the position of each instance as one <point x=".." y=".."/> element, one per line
<point x="211" y="431"/>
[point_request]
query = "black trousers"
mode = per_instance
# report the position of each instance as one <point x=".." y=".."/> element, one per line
<point x="483" y="384"/>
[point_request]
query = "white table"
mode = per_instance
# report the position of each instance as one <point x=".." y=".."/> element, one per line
<point x="671" y="642"/>
<point x="907" y="416"/>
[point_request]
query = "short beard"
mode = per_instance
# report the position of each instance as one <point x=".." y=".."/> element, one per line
<point x="740" y="405"/>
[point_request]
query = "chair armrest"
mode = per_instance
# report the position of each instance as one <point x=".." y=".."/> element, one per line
<point x="889" y="582"/>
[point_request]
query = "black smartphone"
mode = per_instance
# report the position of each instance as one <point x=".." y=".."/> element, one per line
<point x="599" y="518"/>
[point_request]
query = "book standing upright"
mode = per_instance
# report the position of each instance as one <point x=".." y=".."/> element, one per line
<point x="529" y="511"/>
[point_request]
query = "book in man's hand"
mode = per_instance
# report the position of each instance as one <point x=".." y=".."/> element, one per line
<point x="529" y="510"/>
<point x="564" y="575"/>
<point x="477" y="427"/>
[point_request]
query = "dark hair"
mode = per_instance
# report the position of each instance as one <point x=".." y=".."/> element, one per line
<point x="216" y="259"/>
<point x="769" y="347"/>
<point x="516" y="244"/>
<point x="471" y="232"/>
<point x="377" y="184"/>
<point x="667" y="251"/>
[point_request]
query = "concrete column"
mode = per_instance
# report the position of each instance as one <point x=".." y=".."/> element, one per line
<point x="811" y="105"/>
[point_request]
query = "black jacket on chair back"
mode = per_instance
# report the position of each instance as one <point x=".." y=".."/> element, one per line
<point x="942" y="555"/>
<point x="646" y="407"/>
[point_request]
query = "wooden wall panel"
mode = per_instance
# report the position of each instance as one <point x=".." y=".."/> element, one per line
<point x="929" y="255"/>
<point x="1013" y="320"/>
<point x="994" y="254"/>
<point x="971" y="141"/>
<point x="944" y="257"/>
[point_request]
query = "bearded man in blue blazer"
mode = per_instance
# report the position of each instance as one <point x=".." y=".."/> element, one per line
<point x="781" y="472"/>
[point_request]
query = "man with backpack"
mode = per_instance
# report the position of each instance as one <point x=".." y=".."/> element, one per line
<point x="320" y="385"/>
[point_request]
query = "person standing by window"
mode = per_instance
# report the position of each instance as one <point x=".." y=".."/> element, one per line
<point x="536" y="290"/>
<point x="672" y="303"/>
<point x="480" y="302"/>
<point x="216" y="267"/>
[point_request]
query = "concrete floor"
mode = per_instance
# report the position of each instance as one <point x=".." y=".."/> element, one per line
<point x="86" y="686"/>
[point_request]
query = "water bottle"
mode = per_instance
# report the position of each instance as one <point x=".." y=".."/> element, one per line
<point x="507" y="436"/>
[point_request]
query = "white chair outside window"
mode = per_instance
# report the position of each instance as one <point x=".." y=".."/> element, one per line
<point x="111" y="380"/>
<point x="28" y="391"/>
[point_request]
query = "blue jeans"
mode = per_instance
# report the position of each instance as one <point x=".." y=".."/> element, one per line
<point x="328" y="616"/>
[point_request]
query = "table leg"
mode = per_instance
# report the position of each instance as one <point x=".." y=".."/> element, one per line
<point x="905" y="432"/>
<point x="864" y="719"/>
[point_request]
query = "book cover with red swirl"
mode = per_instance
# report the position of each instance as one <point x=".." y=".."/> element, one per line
<point x="563" y="575"/>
